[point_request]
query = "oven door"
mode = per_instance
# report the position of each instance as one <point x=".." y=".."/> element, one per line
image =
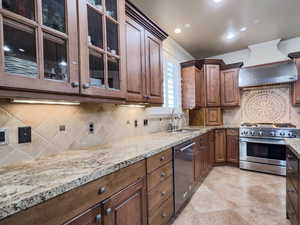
<point x="268" y="151"/>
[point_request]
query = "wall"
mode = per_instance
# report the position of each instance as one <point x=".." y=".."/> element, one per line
<point x="286" y="47"/>
<point x="111" y="124"/>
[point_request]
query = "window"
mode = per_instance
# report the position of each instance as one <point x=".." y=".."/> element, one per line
<point x="171" y="84"/>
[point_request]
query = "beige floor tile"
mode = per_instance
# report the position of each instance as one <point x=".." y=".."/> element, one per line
<point x="230" y="196"/>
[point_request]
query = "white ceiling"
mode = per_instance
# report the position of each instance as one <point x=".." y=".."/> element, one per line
<point x="210" y="22"/>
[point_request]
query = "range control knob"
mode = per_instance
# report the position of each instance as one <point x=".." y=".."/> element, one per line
<point x="260" y="133"/>
<point x="281" y="134"/>
<point x="273" y="133"/>
<point x="290" y="134"/>
<point x="252" y="133"/>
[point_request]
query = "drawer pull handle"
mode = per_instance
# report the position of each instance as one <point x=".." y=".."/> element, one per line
<point x="86" y="86"/>
<point x="163" y="215"/>
<point x="108" y="211"/>
<point x="162" y="158"/>
<point x="163" y="193"/>
<point x="102" y="190"/>
<point x="75" y="84"/>
<point x="163" y="174"/>
<point x="98" y="219"/>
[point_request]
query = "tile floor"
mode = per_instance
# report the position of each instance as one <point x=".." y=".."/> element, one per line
<point x="230" y="196"/>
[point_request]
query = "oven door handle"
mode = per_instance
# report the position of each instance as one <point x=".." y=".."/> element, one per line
<point x="263" y="141"/>
<point x="187" y="147"/>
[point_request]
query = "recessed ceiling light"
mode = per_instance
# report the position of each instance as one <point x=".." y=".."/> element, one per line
<point x="243" y="29"/>
<point x="177" y="31"/>
<point x="230" y="35"/>
<point x="187" y="25"/>
<point x="217" y="1"/>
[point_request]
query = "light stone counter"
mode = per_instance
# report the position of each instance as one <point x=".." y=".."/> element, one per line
<point x="29" y="184"/>
<point x="294" y="143"/>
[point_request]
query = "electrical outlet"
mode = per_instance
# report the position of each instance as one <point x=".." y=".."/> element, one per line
<point x="3" y="136"/>
<point x="91" y="128"/>
<point x="146" y="122"/>
<point x="24" y="135"/>
<point x="62" y="128"/>
<point x="136" y="124"/>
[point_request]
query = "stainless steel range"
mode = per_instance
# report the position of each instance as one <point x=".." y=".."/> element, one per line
<point x="262" y="147"/>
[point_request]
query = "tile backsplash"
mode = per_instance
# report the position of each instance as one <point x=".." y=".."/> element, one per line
<point x="264" y="105"/>
<point x="111" y="122"/>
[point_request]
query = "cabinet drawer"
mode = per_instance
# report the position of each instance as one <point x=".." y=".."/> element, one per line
<point x="158" y="160"/>
<point x="159" y="175"/>
<point x="163" y="214"/>
<point x="233" y="132"/>
<point x="159" y="195"/>
<point x="73" y="203"/>
<point x="292" y="215"/>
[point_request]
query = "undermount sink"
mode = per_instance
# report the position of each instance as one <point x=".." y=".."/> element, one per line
<point x="185" y="130"/>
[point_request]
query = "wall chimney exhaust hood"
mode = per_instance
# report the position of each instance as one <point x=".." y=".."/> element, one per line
<point x="267" y="65"/>
<point x="276" y="73"/>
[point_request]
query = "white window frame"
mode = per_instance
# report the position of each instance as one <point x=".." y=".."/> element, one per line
<point x="167" y="111"/>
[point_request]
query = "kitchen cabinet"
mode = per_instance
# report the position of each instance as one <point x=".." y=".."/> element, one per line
<point x="192" y="88"/>
<point x="127" y="207"/>
<point x="292" y="187"/>
<point x="102" y="48"/>
<point x="39" y="46"/>
<point x="125" y="185"/>
<point x="211" y="136"/>
<point x="212" y="77"/>
<point x="144" y="58"/>
<point x="220" y="146"/>
<point x="232" y="143"/>
<point x="160" y="188"/>
<point x="230" y="92"/>
<point x="296" y="86"/>
<point x="206" y="117"/>
<point x="92" y="216"/>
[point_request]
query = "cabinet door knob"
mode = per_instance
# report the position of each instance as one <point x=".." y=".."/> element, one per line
<point x="86" y="86"/>
<point x="108" y="211"/>
<point x="98" y="219"/>
<point x="163" y="174"/>
<point x="162" y="158"/>
<point x="163" y="215"/>
<point x="163" y="193"/>
<point x="75" y="84"/>
<point x="102" y="190"/>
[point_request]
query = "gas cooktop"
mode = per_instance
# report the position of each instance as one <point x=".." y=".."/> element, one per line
<point x="269" y="130"/>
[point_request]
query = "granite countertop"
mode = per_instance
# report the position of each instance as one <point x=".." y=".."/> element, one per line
<point x="294" y="143"/>
<point x="31" y="183"/>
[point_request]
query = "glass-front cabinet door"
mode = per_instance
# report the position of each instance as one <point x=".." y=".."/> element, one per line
<point x="39" y="45"/>
<point x="101" y="24"/>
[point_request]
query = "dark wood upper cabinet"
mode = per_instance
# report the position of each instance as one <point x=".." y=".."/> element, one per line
<point x="128" y="207"/>
<point x="230" y="92"/>
<point x="135" y="60"/>
<point x="296" y="87"/>
<point x="212" y="77"/>
<point x="144" y="58"/>
<point x="102" y="48"/>
<point x="38" y="45"/>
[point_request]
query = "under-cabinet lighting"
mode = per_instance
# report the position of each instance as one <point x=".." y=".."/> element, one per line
<point x="133" y="106"/>
<point x="6" y="48"/>
<point x="46" y="102"/>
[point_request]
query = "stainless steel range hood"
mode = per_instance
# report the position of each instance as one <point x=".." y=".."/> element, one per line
<point x="275" y="73"/>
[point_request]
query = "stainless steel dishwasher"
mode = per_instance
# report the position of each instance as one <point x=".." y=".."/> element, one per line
<point x="183" y="173"/>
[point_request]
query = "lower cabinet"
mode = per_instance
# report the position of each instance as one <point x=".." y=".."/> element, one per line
<point x="201" y="158"/>
<point x="232" y="145"/>
<point x="220" y="146"/>
<point x="127" y="207"/>
<point x="160" y="188"/>
<point x="292" y="188"/>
